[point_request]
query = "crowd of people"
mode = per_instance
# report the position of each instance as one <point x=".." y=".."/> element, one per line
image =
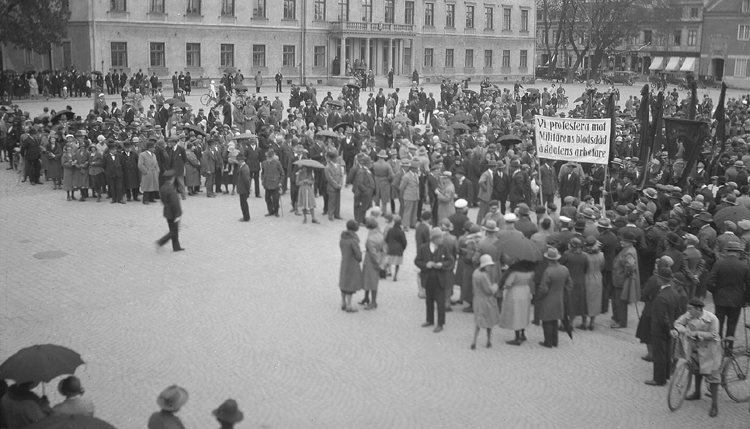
<point x="622" y="234"/>
<point x="21" y="407"/>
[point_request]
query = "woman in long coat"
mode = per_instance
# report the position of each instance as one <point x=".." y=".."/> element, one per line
<point x="350" y="275"/>
<point x="374" y="256"/>
<point x="517" y="292"/>
<point x="486" y="314"/>
<point x="68" y="164"/>
<point x="576" y="262"/>
<point x="192" y="170"/>
<point x="593" y="281"/>
<point x="446" y="197"/>
<point x="305" y="193"/>
<point x="81" y="172"/>
<point x="395" y="240"/>
<point x="131" y="176"/>
<point x="54" y="152"/>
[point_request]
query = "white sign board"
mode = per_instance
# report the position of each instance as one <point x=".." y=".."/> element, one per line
<point x="578" y="140"/>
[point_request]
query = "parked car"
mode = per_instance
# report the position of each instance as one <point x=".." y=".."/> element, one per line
<point x="623" y="77"/>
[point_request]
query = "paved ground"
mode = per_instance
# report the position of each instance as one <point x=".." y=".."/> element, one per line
<point x="250" y="312"/>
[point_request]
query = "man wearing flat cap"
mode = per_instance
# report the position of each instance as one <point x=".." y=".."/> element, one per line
<point x="664" y="312"/>
<point x="729" y="283"/>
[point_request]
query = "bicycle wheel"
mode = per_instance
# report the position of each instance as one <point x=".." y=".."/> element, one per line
<point x="735" y="376"/>
<point x="205" y="99"/>
<point x="679" y="385"/>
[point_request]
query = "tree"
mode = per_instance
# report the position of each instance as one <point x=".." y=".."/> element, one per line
<point x="33" y="24"/>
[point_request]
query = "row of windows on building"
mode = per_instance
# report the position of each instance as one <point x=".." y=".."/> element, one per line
<point x="449" y="61"/>
<point x="649" y="38"/>
<point x="260" y="10"/>
<point x="193" y="54"/>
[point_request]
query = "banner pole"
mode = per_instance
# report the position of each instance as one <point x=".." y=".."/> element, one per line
<point x="604" y="188"/>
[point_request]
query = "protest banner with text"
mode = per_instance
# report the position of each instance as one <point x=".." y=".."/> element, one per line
<point x="577" y="140"/>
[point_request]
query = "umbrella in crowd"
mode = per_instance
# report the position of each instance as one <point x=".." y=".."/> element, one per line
<point x="230" y="70"/>
<point x="734" y="214"/>
<point x="182" y="104"/>
<point x="336" y="103"/>
<point x="70" y="421"/>
<point x="309" y="163"/>
<point x="240" y="87"/>
<point x="172" y="100"/>
<point x="509" y="140"/>
<point x="40" y="363"/>
<point x="402" y="119"/>
<point x="462" y="118"/>
<point x="67" y="113"/>
<point x="96" y="72"/>
<point x="194" y="128"/>
<point x="520" y="249"/>
<point x="353" y="85"/>
<point x="327" y="133"/>
<point x="341" y="126"/>
<point x="460" y="126"/>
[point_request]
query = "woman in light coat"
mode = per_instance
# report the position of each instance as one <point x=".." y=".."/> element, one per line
<point x="375" y="253"/>
<point x="446" y="196"/>
<point x="485" y="285"/>
<point x="192" y="170"/>
<point x="593" y="281"/>
<point x="517" y="292"/>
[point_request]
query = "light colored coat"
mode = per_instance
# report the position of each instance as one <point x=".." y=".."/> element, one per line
<point x="485" y="186"/>
<point x="149" y="168"/>
<point x="409" y="186"/>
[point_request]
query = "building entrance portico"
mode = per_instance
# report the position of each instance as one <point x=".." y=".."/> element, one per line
<point x="380" y="46"/>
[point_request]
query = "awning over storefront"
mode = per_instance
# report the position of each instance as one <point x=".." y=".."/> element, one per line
<point x="657" y="63"/>
<point x="688" y="65"/>
<point x="672" y="64"/>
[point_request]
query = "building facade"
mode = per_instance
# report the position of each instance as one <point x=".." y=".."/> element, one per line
<point x="725" y="49"/>
<point x="299" y="38"/>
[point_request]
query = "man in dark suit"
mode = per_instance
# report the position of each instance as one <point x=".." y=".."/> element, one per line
<point x="729" y="283"/>
<point x="115" y="83"/>
<point x="500" y="186"/>
<point x="178" y="158"/>
<point x="664" y="313"/>
<point x="113" y="164"/>
<point x="434" y="261"/>
<point x="172" y="212"/>
<point x="272" y="175"/>
<point x="570" y="183"/>
<point x="243" y="186"/>
<point x="254" y="156"/>
<point x="519" y="186"/>
<point x="609" y="250"/>
<point x="549" y="181"/>
<point x="211" y="161"/>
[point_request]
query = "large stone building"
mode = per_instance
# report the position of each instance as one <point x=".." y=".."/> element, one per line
<point x="300" y="38"/>
<point x="725" y="49"/>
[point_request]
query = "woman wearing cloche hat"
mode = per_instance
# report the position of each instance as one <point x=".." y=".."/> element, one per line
<point x="170" y="401"/>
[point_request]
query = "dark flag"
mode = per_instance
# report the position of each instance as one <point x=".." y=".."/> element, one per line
<point x="721" y="117"/>
<point x="656" y="140"/>
<point x="693" y="85"/>
<point x="612" y="114"/>
<point x="691" y="134"/>
<point x="644" y="144"/>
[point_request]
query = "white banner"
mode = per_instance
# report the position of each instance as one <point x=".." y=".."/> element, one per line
<point x="578" y="140"/>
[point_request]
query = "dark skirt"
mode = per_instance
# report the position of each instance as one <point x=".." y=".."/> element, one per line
<point x="643" y="332"/>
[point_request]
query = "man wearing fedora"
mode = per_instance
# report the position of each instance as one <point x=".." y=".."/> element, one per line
<point x="172" y="212"/>
<point x="272" y="175"/>
<point x="170" y="401"/>
<point x="520" y="188"/>
<point x="243" y="186"/>
<point x="729" y="283"/>
<point x="435" y="261"/>
<point x="409" y="191"/>
<point x="664" y="312"/>
<point x="500" y="185"/>
<point x="334" y="173"/>
<point x="383" y="174"/>
<point x="228" y="414"/>
<point x="551" y="294"/>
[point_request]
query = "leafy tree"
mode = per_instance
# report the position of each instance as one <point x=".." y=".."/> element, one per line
<point x="33" y="24"/>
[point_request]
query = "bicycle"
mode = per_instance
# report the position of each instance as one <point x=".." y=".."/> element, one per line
<point x="208" y="98"/>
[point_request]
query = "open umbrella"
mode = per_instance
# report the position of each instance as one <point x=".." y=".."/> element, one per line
<point x="230" y="70"/>
<point x="240" y="87"/>
<point x="172" y="100"/>
<point x="353" y="85"/>
<point x="70" y="421"/>
<point x="402" y="119"/>
<point x="462" y="118"/>
<point x="460" y="126"/>
<point x="509" y="140"/>
<point x="182" y="104"/>
<point x="194" y="128"/>
<point x="96" y="72"/>
<point x="734" y="213"/>
<point x="336" y="103"/>
<point x="519" y="249"/>
<point x="40" y="363"/>
<point x="309" y="163"/>
<point x="327" y="133"/>
<point x="342" y="126"/>
<point x="469" y="92"/>
<point x="67" y="113"/>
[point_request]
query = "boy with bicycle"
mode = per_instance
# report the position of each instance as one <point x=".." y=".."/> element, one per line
<point x="701" y="329"/>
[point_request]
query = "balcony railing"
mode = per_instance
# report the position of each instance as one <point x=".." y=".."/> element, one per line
<point x="371" y="26"/>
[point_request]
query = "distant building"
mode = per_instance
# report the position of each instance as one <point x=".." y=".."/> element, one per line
<point x="725" y="51"/>
<point x="300" y="38"/>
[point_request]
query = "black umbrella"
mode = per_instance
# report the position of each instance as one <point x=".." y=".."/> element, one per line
<point x="734" y="214"/>
<point x="96" y="72"/>
<point x="240" y="87"/>
<point x="509" y="140"/>
<point x="460" y="126"/>
<point x="67" y="113"/>
<point x="40" y="363"/>
<point x="353" y="85"/>
<point x="230" y="70"/>
<point x="342" y="126"/>
<point x="172" y="100"/>
<point x="194" y="128"/>
<point x="336" y="103"/>
<point x="461" y="118"/>
<point x="470" y="92"/>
